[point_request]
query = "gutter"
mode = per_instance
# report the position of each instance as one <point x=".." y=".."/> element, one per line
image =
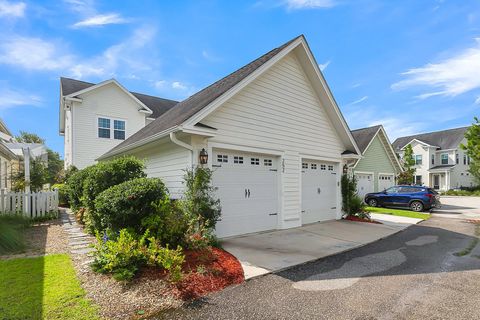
<point x="175" y="140"/>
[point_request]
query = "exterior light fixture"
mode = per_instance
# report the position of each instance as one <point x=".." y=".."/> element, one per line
<point x="203" y="157"/>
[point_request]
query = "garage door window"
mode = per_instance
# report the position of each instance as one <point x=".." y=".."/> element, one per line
<point x="323" y="167"/>
<point x="304" y="165"/>
<point x="267" y="162"/>
<point x="223" y="158"/>
<point x="313" y="166"/>
<point x="237" y="159"/>
<point x="255" y="161"/>
<point x="330" y="168"/>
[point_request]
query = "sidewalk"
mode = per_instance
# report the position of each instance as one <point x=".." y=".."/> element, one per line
<point x="267" y="252"/>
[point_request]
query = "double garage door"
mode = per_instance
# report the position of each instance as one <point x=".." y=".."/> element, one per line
<point x="248" y="188"/>
<point x="365" y="183"/>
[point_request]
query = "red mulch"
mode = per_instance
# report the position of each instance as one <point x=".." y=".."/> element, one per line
<point x="358" y="219"/>
<point x="205" y="271"/>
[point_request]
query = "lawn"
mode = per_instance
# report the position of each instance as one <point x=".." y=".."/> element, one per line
<point x="42" y="288"/>
<point x="399" y="212"/>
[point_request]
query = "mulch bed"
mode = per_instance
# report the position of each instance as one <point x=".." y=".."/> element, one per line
<point x="358" y="219"/>
<point x="205" y="271"/>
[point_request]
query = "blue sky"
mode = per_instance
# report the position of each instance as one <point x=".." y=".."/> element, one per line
<point x="413" y="66"/>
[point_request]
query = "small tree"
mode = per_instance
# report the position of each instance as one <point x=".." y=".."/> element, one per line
<point x="38" y="176"/>
<point x="352" y="204"/>
<point x="28" y="137"/>
<point x="472" y="148"/>
<point x="408" y="163"/>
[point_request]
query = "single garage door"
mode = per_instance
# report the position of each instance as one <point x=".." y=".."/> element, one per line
<point x="247" y="189"/>
<point x="364" y="184"/>
<point x="319" y="191"/>
<point x="385" y="181"/>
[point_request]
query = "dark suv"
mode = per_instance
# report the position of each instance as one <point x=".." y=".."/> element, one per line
<point x="417" y="198"/>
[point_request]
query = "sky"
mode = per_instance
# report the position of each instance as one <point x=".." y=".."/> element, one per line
<point x="413" y="66"/>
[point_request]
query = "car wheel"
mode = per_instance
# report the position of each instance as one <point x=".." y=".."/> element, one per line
<point x="372" y="202"/>
<point x="416" y="206"/>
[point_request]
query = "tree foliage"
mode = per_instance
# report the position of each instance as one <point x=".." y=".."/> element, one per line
<point x="472" y="148"/>
<point x="28" y="137"/>
<point x="351" y="203"/>
<point x="408" y="163"/>
<point x="38" y="176"/>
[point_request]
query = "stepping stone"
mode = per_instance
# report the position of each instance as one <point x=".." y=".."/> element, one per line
<point x="82" y="251"/>
<point x="88" y="262"/>
<point x="78" y="243"/>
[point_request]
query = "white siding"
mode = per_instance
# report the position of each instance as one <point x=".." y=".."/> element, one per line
<point x="108" y="101"/>
<point x="280" y="111"/>
<point x="167" y="161"/>
<point x="68" y="156"/>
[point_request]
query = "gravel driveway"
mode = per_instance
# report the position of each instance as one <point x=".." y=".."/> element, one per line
<point x="414" y="274"/>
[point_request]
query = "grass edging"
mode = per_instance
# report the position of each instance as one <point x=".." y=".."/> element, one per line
<point x="399" y="212"/>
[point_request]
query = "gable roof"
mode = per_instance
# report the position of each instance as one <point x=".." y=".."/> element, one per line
<point x="158" y="105"/>
<point x="193" y="105"/>
<point x="363" y="136"/>
<point x="445" y="139"/>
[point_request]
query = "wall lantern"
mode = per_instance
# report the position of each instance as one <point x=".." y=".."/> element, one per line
<point x="203" y="157"/>
<point x="345" y="169"/>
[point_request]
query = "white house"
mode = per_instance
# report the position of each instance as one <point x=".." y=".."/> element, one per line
<point x="7" y="157"/>
<point x="94" y="118"/>
<point x="275" y="138"/>
<point x="440" y="163"/>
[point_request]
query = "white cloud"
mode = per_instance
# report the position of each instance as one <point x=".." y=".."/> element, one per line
<point x="357" y="101"/>
<point x="324" y="66"/>
<point x="477" y="101"/>
<point x="33" y="54"/>
<point x="101" y="20"/>
<point x="397" y="127"/>
<point x="160" y="84"/>
<point x="309" y="4"/>
<point x="449" y="77"/>
<point x="178" y="85"/>
<point x="11" y="99"/>
<point x="12" y="9"/>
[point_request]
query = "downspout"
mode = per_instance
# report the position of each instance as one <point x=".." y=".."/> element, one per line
<point x="182" y="144"/>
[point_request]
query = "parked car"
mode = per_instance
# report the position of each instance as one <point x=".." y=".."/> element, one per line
<point x="417" y="198"/>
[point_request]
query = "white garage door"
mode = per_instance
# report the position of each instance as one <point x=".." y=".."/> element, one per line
<point x="247" y="189"/>
<point x="364" y="184"/>
<point x="319" y="191"/>
<point x="385" y="181"/>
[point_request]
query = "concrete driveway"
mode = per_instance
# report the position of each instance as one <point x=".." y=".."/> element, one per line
<point x="459" y="207"/>
<point x="266" y="252"/>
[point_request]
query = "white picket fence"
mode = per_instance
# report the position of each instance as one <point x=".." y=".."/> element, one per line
<point x="31" y="205"/>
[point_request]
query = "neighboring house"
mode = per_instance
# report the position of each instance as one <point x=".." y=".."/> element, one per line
<point x="440" y="162"/>
<point x="94" y="118"/>
<point x="379" y="166"/>
<point x="7" y="157"/>
<point x="276" y="139"/>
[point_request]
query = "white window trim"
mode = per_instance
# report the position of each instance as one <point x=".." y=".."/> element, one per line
<point x="112" y="127"/>
<point x="441" y="158"/>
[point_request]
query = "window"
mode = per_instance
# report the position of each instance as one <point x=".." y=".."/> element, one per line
<point x="313" y="166"/>
<point x="418" y="180"/>
<point x="119" y="129"/>
<point x="237" y="159"/>
<point x="267" y="162"/>
<point x="433" y="159"/>
<point x="222" y="158"/>
<point x="330" y="168"/>
<point x="465" y="159"/>
<point x="304" y="165"/>
<point x="392" y="190"/>
<point x="104" y="128"/>
<point x="444" y="158"/>
<point x="323" y="167"/>
<point x="456" y="158"/>
<point x="255" y="161"/>
<point x="468" y="160"/>
<point x="418" y="159"/>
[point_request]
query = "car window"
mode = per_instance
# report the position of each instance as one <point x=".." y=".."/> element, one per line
<point x="406" y="190"/>
<point x="392" y="190"/>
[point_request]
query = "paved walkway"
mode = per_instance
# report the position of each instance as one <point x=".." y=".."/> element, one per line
<point x="78" y="241"/>
<point x="266" y="252"/>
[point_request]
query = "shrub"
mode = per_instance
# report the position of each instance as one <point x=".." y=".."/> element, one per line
<point x="352" y="204"/>
<point x="126" y="204"/>
<point x="106" y="174"/>
<point x="167" y="223"/>
<point x="75" y="187"/>
<point x="62" y="193"/>
<point x="198" y="201"/>
<point x="168" y="259"/>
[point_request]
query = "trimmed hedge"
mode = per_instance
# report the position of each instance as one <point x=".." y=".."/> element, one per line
<point x="126" y="204"/>
<point x="62" y="193"/>
<point x="75" y="187"/>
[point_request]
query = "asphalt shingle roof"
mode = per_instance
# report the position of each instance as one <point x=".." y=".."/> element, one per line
<point x="195" y="103"/>
<point x="445" y="139"/>
<point x="158" y="105"/>
<point x="364" y="136"/>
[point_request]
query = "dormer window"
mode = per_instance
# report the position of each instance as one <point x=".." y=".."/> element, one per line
<point x="105" y="128"/>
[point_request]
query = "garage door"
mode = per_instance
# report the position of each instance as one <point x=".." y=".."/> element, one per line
<point x="364" y="184"/>
<point x="247" y="189"/>
<point x="385" y="181"/>
<point x="319" y="191"/>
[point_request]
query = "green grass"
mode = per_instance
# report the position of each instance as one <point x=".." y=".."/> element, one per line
<point x="399" y="212"/>
<point x="42" y="288"/>
<point x="12" y="237"/>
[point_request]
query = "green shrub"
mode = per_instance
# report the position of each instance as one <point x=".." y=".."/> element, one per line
<point x="168" y="259"/>
<point x="125" y="205"/>
<point x="62" y="194"/>
<point x="121" y="257"/>
<point x="106" y="174"/>
<point x="75" y="187"/>
<point x="167" y="223"/>
<point x="352" y="204"/>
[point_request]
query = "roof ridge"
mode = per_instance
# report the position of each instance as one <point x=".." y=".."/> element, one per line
<point x="376" y="126"/>
<point x="149" y="95"/>
<point x="444" y="130"/>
